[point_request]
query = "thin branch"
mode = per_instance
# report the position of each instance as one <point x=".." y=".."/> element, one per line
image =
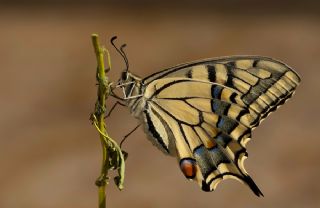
<point x="112" y="157"/>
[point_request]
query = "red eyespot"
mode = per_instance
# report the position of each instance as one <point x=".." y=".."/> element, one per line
<point x="188" y="167"/>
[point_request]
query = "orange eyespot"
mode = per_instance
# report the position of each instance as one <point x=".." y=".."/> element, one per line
<point x="188" y="167"/>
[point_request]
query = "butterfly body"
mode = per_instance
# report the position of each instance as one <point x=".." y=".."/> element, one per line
<point x="203" y="112"/>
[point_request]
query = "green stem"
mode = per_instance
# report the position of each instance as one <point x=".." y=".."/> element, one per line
<point x="112" y="156"/>
<point x="99" y="113"/>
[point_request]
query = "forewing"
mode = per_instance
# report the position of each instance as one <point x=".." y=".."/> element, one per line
<point x="262" y="83"/>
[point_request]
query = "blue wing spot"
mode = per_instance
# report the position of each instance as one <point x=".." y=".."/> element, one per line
<point x="223" y="140"/>
<point x="199" y="150"/>
<point x="203" y="159"/>
<point x="215" y="106"/>
<point x="226" y="124"/>
<point x="215" y="150"/>
<point x="216" y="91"/>
<point x="220" y="122"/>
<point x="218" y="156"/>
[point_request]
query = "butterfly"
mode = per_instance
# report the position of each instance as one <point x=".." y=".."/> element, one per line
<point x="203" y="112"/>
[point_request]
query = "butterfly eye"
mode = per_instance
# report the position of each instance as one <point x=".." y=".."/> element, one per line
<point x="124" y="75"/>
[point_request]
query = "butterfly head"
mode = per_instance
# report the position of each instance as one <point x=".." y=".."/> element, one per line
<point x="125" y="76"/>
<point x="128" y="82"/>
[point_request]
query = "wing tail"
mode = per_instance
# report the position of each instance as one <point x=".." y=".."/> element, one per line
<point x="252" y="185"/>
<point x="220" y="162"/>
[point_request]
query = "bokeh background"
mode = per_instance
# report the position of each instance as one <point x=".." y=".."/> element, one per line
<point x="50" y="154"/>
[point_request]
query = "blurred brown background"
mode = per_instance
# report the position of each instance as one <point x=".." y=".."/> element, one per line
<point x="50" y="154"/>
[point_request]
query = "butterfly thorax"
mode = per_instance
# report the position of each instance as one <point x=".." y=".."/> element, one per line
<point x="133" y="91"/>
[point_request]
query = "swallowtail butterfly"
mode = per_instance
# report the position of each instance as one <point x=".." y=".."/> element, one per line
<point x="203" y="112"/>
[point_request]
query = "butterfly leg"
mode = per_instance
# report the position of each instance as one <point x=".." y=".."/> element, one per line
<point x="113" y="94"/>
<point x="125" y="154"/>
<point x="126" y="136"/>
<point x="113" y="107"/>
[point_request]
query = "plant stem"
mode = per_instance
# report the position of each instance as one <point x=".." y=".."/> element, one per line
<point x="99" y="113"/>
<point x="112" y="155"/>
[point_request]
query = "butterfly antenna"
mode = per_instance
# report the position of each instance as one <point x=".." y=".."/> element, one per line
<point x="125" y="55"/>
<point x="120" y="51"/>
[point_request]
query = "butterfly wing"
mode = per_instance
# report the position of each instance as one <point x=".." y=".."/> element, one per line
<point x="263" y="83"/>
<point x="186" y="120"/>
<point x="204" y="112"/>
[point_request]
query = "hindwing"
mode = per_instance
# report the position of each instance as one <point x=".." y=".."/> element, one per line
<point x="205" y="131"/>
